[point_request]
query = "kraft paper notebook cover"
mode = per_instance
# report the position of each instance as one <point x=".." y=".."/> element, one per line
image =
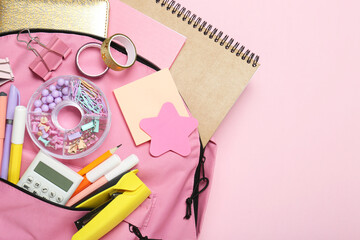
<point x="88" y="16"/>
<point x="211" y="70"/>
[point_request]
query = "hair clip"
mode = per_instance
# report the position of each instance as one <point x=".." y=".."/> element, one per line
<point x="6" y="75"/>
<point x="50" y="58"/>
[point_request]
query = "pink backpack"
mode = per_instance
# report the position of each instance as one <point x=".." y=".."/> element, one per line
<point x="176" y="206"/>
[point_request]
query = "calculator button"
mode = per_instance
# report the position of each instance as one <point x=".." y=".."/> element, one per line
<point x="27" y="187"/>
<point x="37" y="184"/>
<point x="29" y="180"/>
<point x="45" y="197"/>
<point x="36" y="192"/>
<point x="52" y="194"/>
<point x="44" y="189"/>
<point x="59" y="199"/>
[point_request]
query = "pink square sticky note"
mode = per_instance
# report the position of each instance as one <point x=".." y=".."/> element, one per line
<point x="153" y="40"/>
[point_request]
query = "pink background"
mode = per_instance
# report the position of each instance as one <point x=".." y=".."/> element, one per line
<point x="288" y="153"/>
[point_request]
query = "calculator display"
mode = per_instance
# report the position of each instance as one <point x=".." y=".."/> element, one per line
<point x="53" y="176"/>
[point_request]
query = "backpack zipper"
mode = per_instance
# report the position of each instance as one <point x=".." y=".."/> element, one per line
<point x="42" y="199"/>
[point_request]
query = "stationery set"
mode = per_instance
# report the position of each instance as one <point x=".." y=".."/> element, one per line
<point x="133" y="163"/>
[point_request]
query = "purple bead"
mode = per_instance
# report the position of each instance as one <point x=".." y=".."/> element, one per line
<point x="45" y="108"/>
<point x="38" y="103"/>
<point x="58" y="100"/>
<point x="43" y="99"/>
<point x="60" y="82"/>
<point x="60" y="94"/>
<point x="67" y="83"/>
<point x="37" y="110"/>
<point x="65" y="98"/>
<point x="55" y="94"/>
<point x="49" y="99"/>
<point x="65" y="91"/>
<point x="52" y="105"/>
<point x="45" y="92"/>
<point x="52" y="88"/>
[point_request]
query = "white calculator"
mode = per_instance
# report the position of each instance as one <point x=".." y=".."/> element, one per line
<point x="50" y="179"/>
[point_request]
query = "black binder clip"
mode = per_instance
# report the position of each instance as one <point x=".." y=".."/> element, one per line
<point x="6" y="75"/>
<point x="50" y="58"/>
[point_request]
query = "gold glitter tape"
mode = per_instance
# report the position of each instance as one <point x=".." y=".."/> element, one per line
<point x="127" y="44"/>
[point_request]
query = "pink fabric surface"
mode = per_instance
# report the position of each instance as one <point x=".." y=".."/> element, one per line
<point x="152" y="39"/>
<point x="288" y="153"/>
<point x="169" y="177"/>
<point x="26" y="217"/>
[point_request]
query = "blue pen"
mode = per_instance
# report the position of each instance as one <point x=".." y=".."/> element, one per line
<point x="13" y="101"/>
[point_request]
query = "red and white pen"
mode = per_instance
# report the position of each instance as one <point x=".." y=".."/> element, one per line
<point x="98" y="172"/>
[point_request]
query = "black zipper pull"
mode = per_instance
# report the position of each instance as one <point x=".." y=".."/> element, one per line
<point x="194" y="195"/>
<point x="198" y="179"/>
<point x="135" y="230"/>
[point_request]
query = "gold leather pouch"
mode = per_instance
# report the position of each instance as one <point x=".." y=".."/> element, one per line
<point x="87" y="16"/>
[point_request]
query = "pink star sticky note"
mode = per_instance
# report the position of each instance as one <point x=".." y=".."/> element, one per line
<point x="169" y="131"/>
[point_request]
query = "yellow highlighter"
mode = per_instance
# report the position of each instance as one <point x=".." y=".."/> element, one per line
<point x="17" y="140"/>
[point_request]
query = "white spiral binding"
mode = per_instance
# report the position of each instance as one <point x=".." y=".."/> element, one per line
<point x="197" y="22"/>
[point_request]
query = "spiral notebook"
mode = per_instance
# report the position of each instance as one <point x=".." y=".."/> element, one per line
<point x="211" y="70"/>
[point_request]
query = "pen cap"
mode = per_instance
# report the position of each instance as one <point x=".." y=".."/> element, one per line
<point x="103" y="168"/>
<point x="18" y="130"/>
<point x="124" y="166"/>
<point x="13" y="101"/>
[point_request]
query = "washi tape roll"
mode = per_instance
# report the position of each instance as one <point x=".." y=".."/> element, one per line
<point x="85" y="46"/>
<point x="127" y="44"/>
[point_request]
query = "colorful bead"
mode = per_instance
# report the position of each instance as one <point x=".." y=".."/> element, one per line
<point x="60" y="82"/>
<point x="49" y="99"/>
<point x="38" y="103"/>
<point x="45" y="108"/>
<point x="52" y="106"/>
<point x="58" y="100"/>
<point x="37" y="110"/>
<point x="55" y="94"/>
<point x="45" y="92"/>
<point x="52" y="88"/>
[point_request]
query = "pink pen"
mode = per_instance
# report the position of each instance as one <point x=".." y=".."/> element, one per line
<point x="3" y="103"/>
<point x="124" y="166"/>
